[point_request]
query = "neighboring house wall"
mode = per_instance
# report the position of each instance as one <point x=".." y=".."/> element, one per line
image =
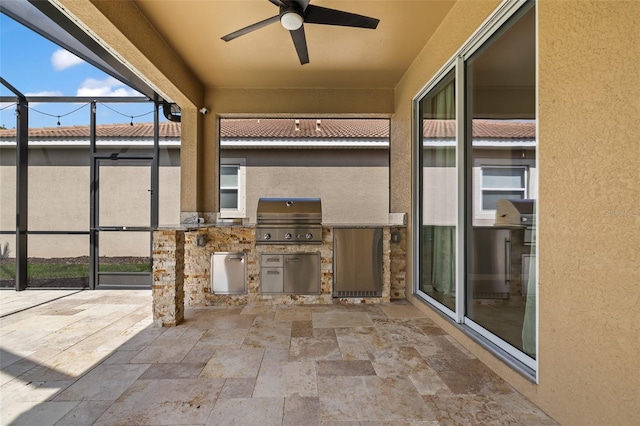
<point x="440" y="183"/>
<point x="59" y="200"/>
<point x="353" y="184"/>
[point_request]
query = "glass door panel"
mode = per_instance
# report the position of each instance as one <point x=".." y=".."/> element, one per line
<point x="500" y="172"/>
<point x="123" y="237"/>
<point x="438" y="214"/>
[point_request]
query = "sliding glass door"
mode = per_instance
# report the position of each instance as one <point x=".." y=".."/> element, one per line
<point x="438" y="197"/>
<point x="501" y="184"/>
<point x="476" y="185"/>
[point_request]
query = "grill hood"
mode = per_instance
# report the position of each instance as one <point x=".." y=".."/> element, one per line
<point x="289" y="221"/>
<point x="289" y="211"/>
<point x="516" y="213"/>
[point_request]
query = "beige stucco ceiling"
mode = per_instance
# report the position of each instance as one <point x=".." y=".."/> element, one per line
<point x="340" y="57"/>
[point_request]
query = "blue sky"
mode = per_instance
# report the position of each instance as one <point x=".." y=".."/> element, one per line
<point x="37" y="67"/>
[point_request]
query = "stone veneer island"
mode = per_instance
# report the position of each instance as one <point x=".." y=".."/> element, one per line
<point x="182" y="268"/>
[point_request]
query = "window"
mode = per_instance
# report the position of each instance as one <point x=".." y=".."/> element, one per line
<point x="232" y="187"/>
<point x="500" y="183"/>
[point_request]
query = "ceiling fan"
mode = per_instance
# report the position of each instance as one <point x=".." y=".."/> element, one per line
<point x="294" y="13"/>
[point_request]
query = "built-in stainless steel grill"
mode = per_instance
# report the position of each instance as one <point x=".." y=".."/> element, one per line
<point x="520" y="213"/>
<point x="289" y="221"/>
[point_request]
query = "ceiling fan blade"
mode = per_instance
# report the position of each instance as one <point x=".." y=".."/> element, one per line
<point x="278" y="3"/>
<point x="300" y="42"/>
<point x="302" y="4"/>
<point x="322" y="15"/>
<point x="251" y="28"/>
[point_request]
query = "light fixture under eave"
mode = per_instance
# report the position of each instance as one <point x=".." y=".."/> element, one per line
<point x="291" y="20"/>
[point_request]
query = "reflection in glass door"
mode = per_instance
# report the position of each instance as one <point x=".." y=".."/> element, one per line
<point x="438" y="211"/>
<point x="476" y="185"/>
<point x="123" y="209"/>
<point x="501" y="185"/>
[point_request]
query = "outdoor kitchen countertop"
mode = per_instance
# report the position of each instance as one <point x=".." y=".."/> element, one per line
<point x="360" y="225"/>
<point x="197" y="226"/>
<point x="191" y="226"/>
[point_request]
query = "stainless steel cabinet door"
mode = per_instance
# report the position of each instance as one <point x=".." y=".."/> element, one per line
<point x="490" y="263"/>
<point x="357" y="262"/>
<point x="302" y="273"/>
<point x="228" y="273"/>
<point x="271" y="280"/>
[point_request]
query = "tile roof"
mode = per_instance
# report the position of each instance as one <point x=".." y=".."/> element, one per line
<point x="120" y="131"/>
<point x="286" y="128"/>
<point x="304" y="128"/>
<point x="482" y="129"/>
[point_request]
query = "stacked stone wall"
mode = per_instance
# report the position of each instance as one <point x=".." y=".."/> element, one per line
<point x="182" y="269"/>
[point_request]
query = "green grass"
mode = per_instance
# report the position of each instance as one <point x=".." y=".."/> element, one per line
<point x="60" y="270"/>
<point x="128" y="267"/>
<point x="8" y="272"/>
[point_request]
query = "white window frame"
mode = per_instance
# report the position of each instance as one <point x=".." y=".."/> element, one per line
<point x="240" y="212"/>
<point x="483" y="213"/>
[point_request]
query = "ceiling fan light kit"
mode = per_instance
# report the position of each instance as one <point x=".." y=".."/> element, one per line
<point x="291" y="20"/>
<point x="294" y="14"/>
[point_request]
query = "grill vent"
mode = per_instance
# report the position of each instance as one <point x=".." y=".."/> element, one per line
<point x="362" y="293"/>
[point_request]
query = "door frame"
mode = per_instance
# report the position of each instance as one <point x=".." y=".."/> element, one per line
<point x="140" y="280"/>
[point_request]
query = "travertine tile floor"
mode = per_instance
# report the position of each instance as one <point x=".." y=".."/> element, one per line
<point x="94" y="357"/>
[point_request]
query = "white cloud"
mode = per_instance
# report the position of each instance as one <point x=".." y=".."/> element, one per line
<point x="45" y="93"/>
<point x="52" y="93"/>
<point x="107" y="87"/>
<point x="62" y="59"/>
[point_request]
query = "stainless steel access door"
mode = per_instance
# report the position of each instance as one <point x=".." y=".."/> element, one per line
<point x="228" y="273"/>
<point x="357" y="262"/>
<point x="302" y="273"/>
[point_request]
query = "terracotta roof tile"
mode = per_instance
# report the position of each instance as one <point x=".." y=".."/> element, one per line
<point x="483" y="129"/>
<point x="305" y="128"/>
<point x="119" y="131"/>
<point x="286" y="128"/>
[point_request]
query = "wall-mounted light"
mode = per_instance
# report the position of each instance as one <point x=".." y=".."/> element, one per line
<point x="201" y="240"/>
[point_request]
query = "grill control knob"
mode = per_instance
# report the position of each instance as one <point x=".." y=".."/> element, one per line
<point x="287" y="236"/>
<point x="267" y="236"/>
<point x="309" y="236"/>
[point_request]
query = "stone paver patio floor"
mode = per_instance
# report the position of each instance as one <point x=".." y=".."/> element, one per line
<point x="94" y="357"/>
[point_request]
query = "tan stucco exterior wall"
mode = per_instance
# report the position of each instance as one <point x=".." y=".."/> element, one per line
<point x="589" y="115"/>
<point x="589" y="222"/>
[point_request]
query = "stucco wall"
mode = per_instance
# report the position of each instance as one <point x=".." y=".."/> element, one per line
<point x="589" y="109"/>
<point x="349" y="194"/>
<point x="353" y="184"/>
<point x="124" y="200"/>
